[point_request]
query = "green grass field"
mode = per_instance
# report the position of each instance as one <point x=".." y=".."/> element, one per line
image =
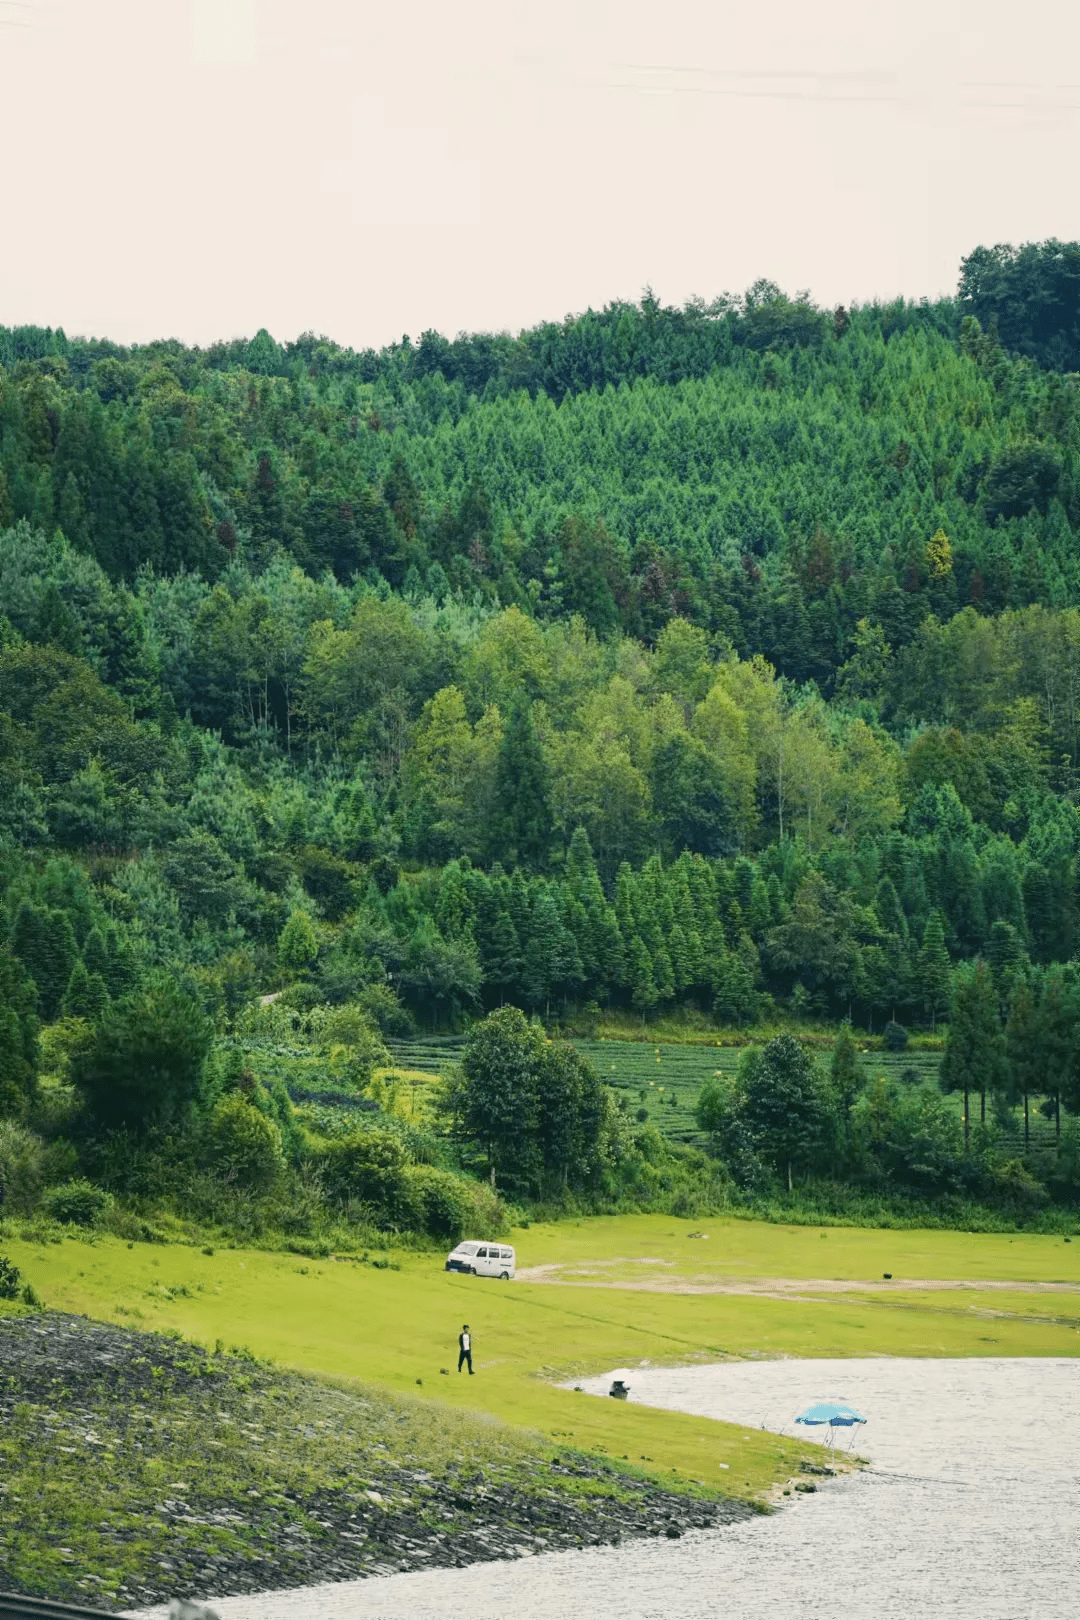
<point x="399" y="1327"/>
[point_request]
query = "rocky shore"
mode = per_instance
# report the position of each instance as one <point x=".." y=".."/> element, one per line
<point x="137" y="1469"/>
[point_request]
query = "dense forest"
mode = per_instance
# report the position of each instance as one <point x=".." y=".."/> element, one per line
<point x="721" y="660"/>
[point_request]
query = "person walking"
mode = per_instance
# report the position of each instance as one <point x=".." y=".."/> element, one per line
<point x="465" y="1348"/>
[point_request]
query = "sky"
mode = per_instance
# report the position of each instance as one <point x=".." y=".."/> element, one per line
<point x="201" y="168"/>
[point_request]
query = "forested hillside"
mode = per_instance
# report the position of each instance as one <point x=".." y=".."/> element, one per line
<point x="724" y="658"/>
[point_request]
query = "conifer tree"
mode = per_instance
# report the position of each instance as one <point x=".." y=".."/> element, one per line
<point x="45" y="944"/>
<point x="95" y="953"/>
<point x="844" y="1068"/>
<point x="974" y="1057"/>
<point x="521" y="820"/>
<point x="86" y="995"/>
<point x="1022" y="1050"/>
<point x="639" y="969"/>
<point x="297" y="947"/>
<point x="934" y="968"/>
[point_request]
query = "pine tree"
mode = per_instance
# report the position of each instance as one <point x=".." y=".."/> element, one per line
<point x="974" y="1057"/>
<point x="844" y="1068"/>
<point x="934" y="968"/>
<point x="18" y="1034"/>
<point x="521" y="821"/>
<point x="544" y="950"/>
<point x="297" y="946"/>
<point x="45" y="944"/>
<point x="86" y="995"/>
<point x="640" y="974"/>
<point x="95" y="954"/>
<point x="1022" y="1050"/>
<point x="1005" y="955"/>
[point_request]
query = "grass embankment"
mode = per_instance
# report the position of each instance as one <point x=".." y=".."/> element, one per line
<point x="616" y="1292"/>
<point x="134" y="1466"/>
<point x="396" y="1327"/>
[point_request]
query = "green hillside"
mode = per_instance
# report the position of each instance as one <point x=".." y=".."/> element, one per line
<point x="716" y="664"/>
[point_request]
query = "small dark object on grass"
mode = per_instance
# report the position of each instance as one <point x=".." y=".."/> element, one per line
<point x="419" y="1380"/>
<point x="887" y="1276"/>
<point x="445" y="1371"/>
<point x="805" y="1485"/>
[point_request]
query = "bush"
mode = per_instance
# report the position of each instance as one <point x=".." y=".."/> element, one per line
<point x="10" y="1279"/>
<point x="380" y="1003"/>
<point x="244" y="1144"/>
<point x="895" y="1036"/>
<point x="76" y="1203"/>
<point x="441" y="1202"/>
<point x="146" y="1061"/>
<point x="369" y="1168"/>
<point x="353" y="1041"/>
<point x="22" y="1168"/>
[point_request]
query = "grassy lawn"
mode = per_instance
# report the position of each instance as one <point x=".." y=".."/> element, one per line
<point x="735" y="1248"/>
<point x="398" y="1327"/>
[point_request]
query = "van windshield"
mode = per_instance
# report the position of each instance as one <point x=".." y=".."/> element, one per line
<point x="467" y="1248"/>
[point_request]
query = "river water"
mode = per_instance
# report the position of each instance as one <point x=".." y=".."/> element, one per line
<point x="970" y="1509"/>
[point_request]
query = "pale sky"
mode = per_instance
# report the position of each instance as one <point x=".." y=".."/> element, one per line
<point x="201" y="168"/>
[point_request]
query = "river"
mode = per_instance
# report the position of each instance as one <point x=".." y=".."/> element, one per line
<point x="969" y="1508"/>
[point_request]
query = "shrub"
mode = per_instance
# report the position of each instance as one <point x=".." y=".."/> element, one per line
<point x="895" y="1036"/>
<point x="441" y="1200"/>
<point x="10" y="1279"/>
<point x="146" y="1061"/>
<point x="380" y="1003"/>
<point x="245" y="1144"/>
<point x="76" y="1203"/>
<point x="22" y="1168"/>
<point x="369" y="1168"/>
<point x="352" y="1040"/>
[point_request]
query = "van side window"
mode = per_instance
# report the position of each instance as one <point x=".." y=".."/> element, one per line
<point x="508" y="1254"/>
<point x="481" y="1254"/>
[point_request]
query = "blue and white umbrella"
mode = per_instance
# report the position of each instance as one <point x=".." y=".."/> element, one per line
<point x="835" y="1414"/>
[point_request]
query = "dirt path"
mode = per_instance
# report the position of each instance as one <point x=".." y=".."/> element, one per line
<point x="594" y="1275"/>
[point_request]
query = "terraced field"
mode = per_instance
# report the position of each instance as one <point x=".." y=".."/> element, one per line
<point x="665" y="1078"/>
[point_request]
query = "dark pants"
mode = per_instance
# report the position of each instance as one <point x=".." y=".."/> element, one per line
<point x="465" y="1355"/>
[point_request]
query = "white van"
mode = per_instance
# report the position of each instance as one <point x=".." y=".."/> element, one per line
<point x="482" y="1260"/>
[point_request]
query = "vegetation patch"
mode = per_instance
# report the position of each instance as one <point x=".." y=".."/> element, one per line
<point x="137" y="1468"/>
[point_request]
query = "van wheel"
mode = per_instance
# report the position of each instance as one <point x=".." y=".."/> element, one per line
<point x="504" y="1276"/>
<point x="472" y="1271"/>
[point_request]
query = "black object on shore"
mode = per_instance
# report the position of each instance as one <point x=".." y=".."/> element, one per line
<point x="619" y="1391"/>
